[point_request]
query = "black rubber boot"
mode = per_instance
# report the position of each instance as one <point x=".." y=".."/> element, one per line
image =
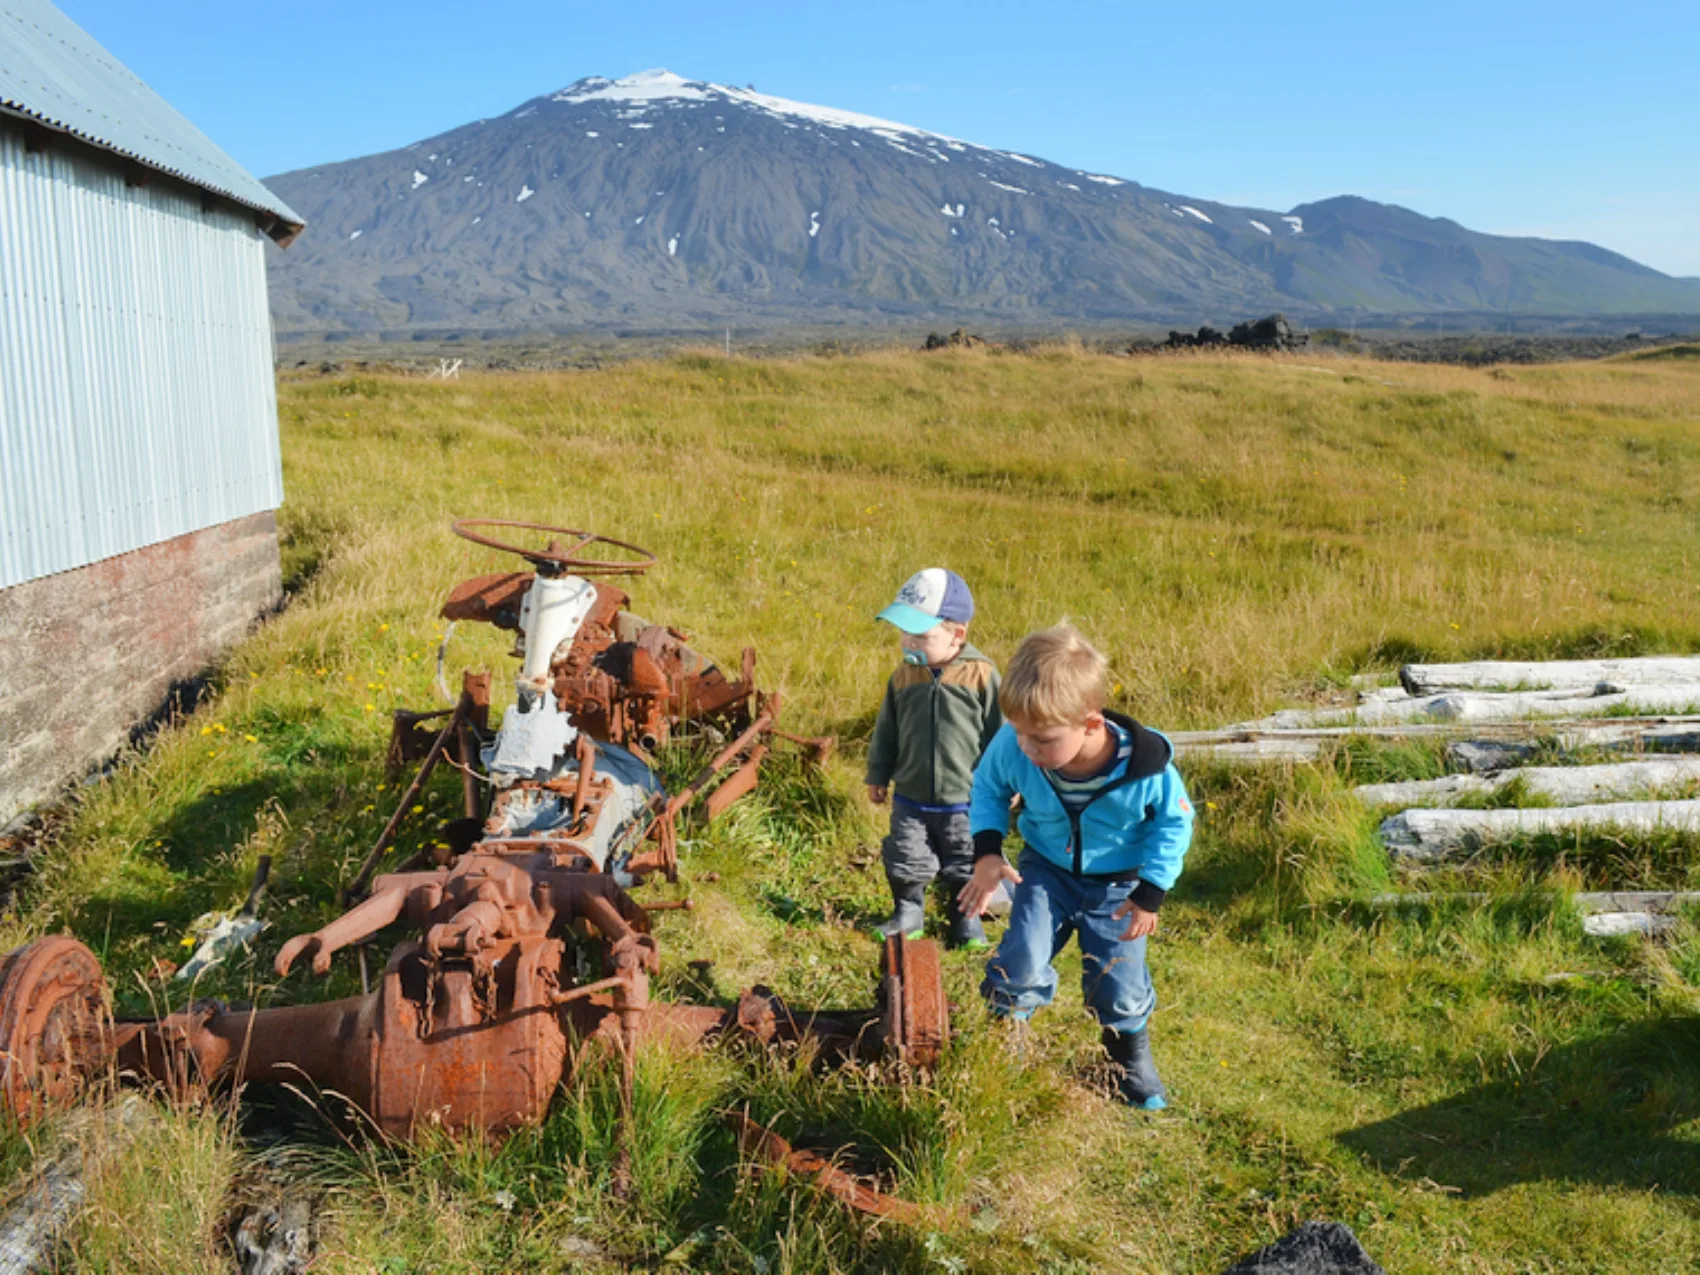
<point x="1136" y="1073"/>
<point x="965" y="932"/>
<point x="909" y="913"/>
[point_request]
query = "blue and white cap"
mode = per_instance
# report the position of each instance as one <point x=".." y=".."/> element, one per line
<point x="928" y="597"/>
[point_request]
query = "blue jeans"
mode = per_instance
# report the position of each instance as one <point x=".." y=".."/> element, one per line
<point x="1050" y="906"/>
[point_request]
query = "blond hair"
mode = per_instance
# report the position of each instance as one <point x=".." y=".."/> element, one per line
<point x="1057" y="678"/>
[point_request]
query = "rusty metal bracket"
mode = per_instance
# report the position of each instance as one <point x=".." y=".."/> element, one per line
<point x="756" y="1139"/>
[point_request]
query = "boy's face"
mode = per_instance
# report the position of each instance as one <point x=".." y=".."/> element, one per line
<point x="1055" y="745"/>
<point x="938" y="645"/>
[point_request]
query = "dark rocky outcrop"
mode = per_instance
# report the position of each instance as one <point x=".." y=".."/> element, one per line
<point x="957" y="340"/>
<point x="1272" y="332"/>
<point x="1205" y="336"/>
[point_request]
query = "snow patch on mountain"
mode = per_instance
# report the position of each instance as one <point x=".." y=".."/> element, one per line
<point x="1295" y="224"/>
<point x="419" y="179"/>
<point x="1188" y="208"/>
<point x="661" y="85"/>
<point x="1258" y="225"/>
<point x="645" y="86"/>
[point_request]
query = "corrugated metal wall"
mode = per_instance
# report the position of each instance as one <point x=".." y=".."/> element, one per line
<point x="137" y="399"/>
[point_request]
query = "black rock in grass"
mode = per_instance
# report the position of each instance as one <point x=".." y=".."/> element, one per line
<point x="1316" y="1248"/>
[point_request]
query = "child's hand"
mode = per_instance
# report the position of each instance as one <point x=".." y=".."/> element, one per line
<point x="876" y="794"/>
<point x="989" y="871"/>
<point x="1141" y="924"/>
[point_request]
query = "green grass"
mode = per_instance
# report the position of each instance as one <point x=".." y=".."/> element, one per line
<point x="1238" y="534"/>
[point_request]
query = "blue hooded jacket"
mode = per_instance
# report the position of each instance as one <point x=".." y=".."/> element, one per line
<point x="1138" y="825"/>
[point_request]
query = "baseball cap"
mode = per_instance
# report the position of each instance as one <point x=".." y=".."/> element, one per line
<point x="928" y="597"/>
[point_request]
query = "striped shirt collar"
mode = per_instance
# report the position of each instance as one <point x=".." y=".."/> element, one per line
<point x="1124" y="750"/>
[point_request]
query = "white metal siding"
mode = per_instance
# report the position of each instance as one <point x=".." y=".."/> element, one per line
<point x="137" y="399"/>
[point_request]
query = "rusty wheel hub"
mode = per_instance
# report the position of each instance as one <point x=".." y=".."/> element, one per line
<point x="914" y="1015"/>
<point x="54" y="1027"/>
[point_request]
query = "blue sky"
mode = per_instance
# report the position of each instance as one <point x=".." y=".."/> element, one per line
<point x="1561" y="119"/>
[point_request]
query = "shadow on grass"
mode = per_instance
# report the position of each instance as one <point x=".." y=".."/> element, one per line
<point x="1599" y="1112"/>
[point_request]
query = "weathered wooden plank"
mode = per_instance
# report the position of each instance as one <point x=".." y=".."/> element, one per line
<point x="1610" y="729"/>
<point x="1615" y="924"/>
<point x="1566" y="785"/>
<point x="1255" y="751"/>
<point x="1425" y="837"/>
<point x="1476" y="707"/>
<point x="1536" y="675"/>
<point x="1587" y="902"/>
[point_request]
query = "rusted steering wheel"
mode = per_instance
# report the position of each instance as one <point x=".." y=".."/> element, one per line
<point x="553" y="555"/>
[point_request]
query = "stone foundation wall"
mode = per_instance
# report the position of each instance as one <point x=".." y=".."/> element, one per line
<point x="88" y="654"/>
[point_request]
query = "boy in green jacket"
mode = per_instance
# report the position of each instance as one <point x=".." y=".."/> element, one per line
<point x="939" y="713"/>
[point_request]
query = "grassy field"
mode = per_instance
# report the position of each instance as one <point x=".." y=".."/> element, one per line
<point x="1472" y="1089"/>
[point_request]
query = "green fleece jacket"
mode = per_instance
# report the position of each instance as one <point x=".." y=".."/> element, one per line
<point x="932" y="729"/>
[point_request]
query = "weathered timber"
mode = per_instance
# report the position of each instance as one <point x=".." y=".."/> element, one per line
<point x="1615" y="924"/>
<point x="1587" y="902"/>
<point x="1566" y="785"/>
<point x="1252" y="744"/>
<point x="1537" y="675"/>
<point x="1473" y="707"/>
<point x="1256" y="751"/>
<point x="1424" y="837"/>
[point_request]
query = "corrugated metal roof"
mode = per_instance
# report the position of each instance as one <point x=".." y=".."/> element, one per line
<point x="53" y="72"/>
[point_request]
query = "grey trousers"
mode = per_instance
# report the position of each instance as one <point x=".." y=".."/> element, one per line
<point x="924" y="845"/>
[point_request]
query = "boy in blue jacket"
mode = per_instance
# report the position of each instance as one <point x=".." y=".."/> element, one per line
<point x="1106" y="822"/>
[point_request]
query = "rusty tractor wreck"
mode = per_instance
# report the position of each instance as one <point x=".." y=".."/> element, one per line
<point x="531" y="954"/>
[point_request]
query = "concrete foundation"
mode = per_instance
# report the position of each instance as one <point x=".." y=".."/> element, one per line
<point x="91" y="653"/>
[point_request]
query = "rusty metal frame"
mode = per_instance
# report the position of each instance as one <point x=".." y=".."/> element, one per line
<point x="476" y="1019"/>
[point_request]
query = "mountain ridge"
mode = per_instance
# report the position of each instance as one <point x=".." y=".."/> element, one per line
<point x="654" y="200"/>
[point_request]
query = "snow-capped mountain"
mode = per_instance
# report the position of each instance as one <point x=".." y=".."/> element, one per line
<point x="657" y="201"/>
